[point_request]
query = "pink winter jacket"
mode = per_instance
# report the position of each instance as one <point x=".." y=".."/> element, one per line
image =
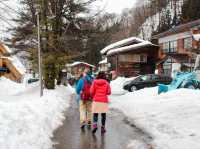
<point x="100" y="90"/>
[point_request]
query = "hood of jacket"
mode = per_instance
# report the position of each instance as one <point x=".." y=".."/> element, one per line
<point x="100" y="82"/>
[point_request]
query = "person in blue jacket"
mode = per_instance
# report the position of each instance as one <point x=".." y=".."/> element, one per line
<point x="85" y="105"/>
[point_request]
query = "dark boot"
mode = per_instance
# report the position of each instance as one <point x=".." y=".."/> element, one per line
<point x="95" y="127"/>
<point x="82" y="125"/>
<point x="103" y="129"/>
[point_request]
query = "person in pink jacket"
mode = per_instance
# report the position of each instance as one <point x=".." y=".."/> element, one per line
<point x="100" y="90"/>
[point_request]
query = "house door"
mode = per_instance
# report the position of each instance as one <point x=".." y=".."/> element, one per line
<point x="167" y="67"/>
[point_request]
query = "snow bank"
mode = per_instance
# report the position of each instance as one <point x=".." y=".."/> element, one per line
<point x="117" y="85"/>
<point x="27" y="121"/>
<point x="9" y="87"/>
<point x="172" y="119"/>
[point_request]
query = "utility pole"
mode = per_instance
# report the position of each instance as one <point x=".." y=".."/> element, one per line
<point x="39" y="53"/>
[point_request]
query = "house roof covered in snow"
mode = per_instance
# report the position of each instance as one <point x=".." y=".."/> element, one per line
<point x="78" y="63"/>
<point x="121" y="43"/>
<point x="178" y="29"/>
<point x="126" y="45"/>
<point x="13" y="59"/>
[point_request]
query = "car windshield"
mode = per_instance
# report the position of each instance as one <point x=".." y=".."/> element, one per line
<point x="143" y="78"/>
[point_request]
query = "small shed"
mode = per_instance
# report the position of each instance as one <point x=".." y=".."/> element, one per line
<point x="77" y="68"/>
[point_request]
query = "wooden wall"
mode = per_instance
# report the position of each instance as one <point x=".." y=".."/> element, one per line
<point x="13" y="73"/>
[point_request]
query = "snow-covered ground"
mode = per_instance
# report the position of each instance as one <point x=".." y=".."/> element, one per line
<point x="117" y="85"/>
<point x="28" y="121"/>
<point x="172" y="118"/>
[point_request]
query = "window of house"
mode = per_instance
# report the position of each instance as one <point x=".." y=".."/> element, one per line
<point x="126" y="58"/>
<point x="173" y="46"/>
<point x="170" y="47"/>
<point x="166" y="47"/>
<point x="188" y="43"/>
<point x="133" y="58"/>
<point x="143" y="58"/>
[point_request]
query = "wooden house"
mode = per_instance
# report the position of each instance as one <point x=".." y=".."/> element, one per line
<point x="10" y="67"/>
<point x="77" y="68"/>
<point x="178" y="47"/>
<point x="131" y="57"/>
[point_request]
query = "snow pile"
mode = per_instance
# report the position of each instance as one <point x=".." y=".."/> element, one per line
<point x="117" y="85"/>
<point x="172" y="119"/>
<point x="27" y="121"/>
<point x="9" y="87"/>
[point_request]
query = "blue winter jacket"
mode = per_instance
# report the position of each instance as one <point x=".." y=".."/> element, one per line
<point x="80" y="84"/>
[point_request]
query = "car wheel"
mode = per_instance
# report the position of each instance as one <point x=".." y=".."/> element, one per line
<point x="133" y="88"/>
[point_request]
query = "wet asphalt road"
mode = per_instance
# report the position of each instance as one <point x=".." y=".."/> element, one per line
<point x="121" y="134"/>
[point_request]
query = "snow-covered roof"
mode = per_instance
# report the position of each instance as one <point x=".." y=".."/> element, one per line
<point x="196" y="37"/>
<point x="130" y="47"/>
<point x="104" y="61"/>
<point x="17" y="64"/>
<point x="77" y="63"/>
<point x="15" y="61"/>
<point x="7" y="48"/>
<point x="121" y="43"/>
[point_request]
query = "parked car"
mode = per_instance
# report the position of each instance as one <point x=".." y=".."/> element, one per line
<point x="144" y="81"/>
<point x="32" y="80"/>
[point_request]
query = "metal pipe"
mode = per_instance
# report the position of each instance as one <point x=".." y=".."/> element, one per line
<point x="39" y="56"/>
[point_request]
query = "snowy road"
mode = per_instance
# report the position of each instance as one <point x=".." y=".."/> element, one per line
<point x="120" y="134"/>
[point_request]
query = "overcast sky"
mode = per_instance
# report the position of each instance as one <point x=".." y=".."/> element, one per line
<point x="115" y="6"/>
<point x="111" y="6"/>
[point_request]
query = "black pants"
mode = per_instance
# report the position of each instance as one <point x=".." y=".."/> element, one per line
<point x="103" y="118"/>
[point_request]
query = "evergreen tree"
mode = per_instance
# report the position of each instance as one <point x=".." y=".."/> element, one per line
<point x="63" y="30"/>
